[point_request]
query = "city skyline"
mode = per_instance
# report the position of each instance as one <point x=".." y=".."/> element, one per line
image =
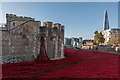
<point x="76" y="17"/>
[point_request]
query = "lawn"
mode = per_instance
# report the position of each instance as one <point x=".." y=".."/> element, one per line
<point x="76" y="64"/>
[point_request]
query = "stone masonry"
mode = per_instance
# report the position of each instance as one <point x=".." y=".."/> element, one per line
<point x="21" y="39"/>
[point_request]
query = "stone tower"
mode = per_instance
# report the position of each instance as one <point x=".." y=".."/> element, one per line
<point x="22" y="38"/>
<point x="14" y="21"/>
<point x="54" y="39"/>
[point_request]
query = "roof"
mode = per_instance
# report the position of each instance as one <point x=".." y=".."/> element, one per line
<point x="115" y="29"/>
<point x="57" y="23"/>
<point x="48" y="22"/>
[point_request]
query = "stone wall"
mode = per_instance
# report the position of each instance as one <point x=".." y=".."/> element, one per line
<point x="16" y="58"/>
<point x="62" y="41"/>
<point x="11" y="17"/>
<point x="21" y="42"/>
<point x="14" y="24"/>
<point x="0" y="46"/>
<point x="54" y="39"/>
<point x="5" y="43"/>
<point x="103" y="49"/>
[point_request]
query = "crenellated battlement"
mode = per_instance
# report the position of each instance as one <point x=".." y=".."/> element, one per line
<point x="62" y="27"/>
<point x="12" y="17"/>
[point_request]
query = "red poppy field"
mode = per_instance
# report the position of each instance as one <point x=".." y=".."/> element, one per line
<point x="76" y="64"/>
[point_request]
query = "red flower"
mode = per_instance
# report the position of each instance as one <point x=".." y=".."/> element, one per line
<point x="77" y="64"/>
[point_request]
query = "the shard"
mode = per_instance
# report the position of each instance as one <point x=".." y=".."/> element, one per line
<point x="106" y="22"/>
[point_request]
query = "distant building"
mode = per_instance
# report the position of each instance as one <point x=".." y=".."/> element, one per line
<point x="106" y="21"/>
<point x="96" y="32"/>
<point x="80" y="42"/>
<point x="73" y="42"/>
<point x="80" y="39"/>
<point x="106" y="34"/>
<point x="88" y="42"/>
<point x="67" y="41"/>
<point x="106" y="30"/>
<point x="115" y="34"/>
<point x="76" y="42"/>
<point x="111" y="34"/>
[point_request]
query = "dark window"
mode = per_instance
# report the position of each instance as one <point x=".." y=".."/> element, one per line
<point x="13" y="24"/>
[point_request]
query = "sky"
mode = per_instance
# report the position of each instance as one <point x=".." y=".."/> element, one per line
<point x="80" y="19"/>
<point x="119" y="15"/>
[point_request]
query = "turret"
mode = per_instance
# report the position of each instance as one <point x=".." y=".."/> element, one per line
<point x="48" y="24"/>
<point x="57" y="25"/>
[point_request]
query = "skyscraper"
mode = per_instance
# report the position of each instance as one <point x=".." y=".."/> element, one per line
<point x="106" y="22"/>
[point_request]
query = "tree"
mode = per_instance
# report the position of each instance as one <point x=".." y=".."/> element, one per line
<point x="5" y="25"/>
<point x="99" y="38"/>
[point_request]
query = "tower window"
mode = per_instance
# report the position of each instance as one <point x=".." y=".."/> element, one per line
<point x="13" y="24"/>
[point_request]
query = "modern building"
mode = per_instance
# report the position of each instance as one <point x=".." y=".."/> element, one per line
<point x="106" y="30"/>
<point x="76" y="42"/>
<point x="106" y="21"/>
<point x="114" y="34"/>
<point x="67" y="41"/>
<point x="73" y="42"/>
<point x="80" y="39"/>
<point x="106" y="34"/>
<point x="111" y="34"/>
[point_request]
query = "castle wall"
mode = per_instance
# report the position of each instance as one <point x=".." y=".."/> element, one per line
<point x="22" y="44"/>
<point x="62" y="41"/>
<point x="21" y="39"/>
<point x="0" y="43"/>
<point x="59" y="39"/>
<point x="14" y="24"/>
<point x="11" y="17"/>
<point x="54" y="35"/>
<point x="24" y="38"/>
<point x="5" y="43"/>
<point x="49" y="39"/>
<point x="55" y="32"/>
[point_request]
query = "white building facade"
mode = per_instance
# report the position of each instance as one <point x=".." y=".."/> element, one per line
<point x="106" y="34"/>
